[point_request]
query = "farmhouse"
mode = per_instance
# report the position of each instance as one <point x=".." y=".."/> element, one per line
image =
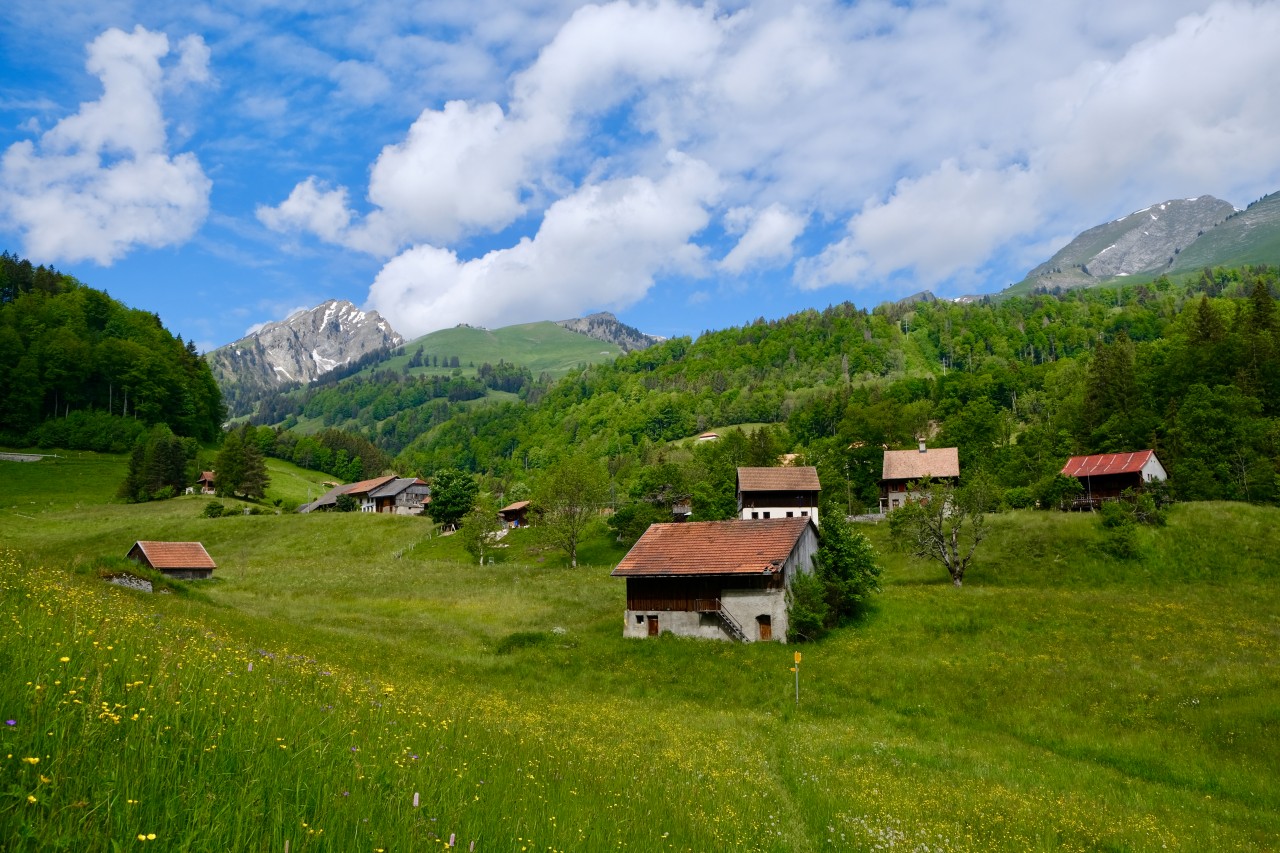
<point x="904" y="467"/>
<point x="778" y="493"/>
<point x="724" y="580"/>
<point x="205" y="483"/>
<point x="183" y="560"/>
<point x="1105" y="475"/>
<point x="386" y="494"/>
<point x="515" y="514"/>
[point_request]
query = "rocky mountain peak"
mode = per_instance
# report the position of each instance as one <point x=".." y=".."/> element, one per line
<point x="603" y="326"/>
<point x="300" y="348"/>
<point x="1145" y="240"/>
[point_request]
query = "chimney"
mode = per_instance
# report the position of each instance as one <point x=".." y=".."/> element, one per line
<point x="922" y="447"/>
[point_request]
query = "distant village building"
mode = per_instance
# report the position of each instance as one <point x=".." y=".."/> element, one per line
<point x="1105" y="475"/>
<point x="386" y="494"/>
<point x="182" y="560"/>
<point x="515" y="514"/>
<point x="709" y="436"/>
<point x="716" y="579"/>
<point x="904" y="467"/>
<point x="778" y="493"/>
<point x="205" y="483"/>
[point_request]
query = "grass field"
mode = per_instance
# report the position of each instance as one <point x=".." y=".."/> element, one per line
<point x="340" y="666"/>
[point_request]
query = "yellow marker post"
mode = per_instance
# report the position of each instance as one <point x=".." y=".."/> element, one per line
<point x="796" y="670"/>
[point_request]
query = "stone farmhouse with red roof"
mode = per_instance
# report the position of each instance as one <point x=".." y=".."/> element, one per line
<point x="182" y="560"/>
<point x="724" y="580"/>
<point x="904" y="467"/>
<point x="1105" y="475"/>
<point x="786" y="492"/>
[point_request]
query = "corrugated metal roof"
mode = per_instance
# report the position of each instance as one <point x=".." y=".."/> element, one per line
<point x="1106" y="463"/>
<point x="713" y="548"/>
<point x="174" y="555"/>
<point x="800" y="479"/>
<point x="914" y="465"/>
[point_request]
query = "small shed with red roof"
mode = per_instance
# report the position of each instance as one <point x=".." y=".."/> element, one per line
<point x="515" y="514"/>
<point x="183" y="560"/>
<point x="716" y="579"/>
<point x="1105" y="475"/>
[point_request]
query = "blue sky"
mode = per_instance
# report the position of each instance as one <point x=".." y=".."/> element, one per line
<point x="686" y="166"/>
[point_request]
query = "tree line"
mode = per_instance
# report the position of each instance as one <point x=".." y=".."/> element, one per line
<point x="75" y="364"/>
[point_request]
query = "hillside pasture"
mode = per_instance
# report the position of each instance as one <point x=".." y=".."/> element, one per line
<point x="340" y="665"/>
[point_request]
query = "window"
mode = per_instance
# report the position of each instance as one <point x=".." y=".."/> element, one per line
<point x="755" y="515"/>
<point x="804" y="513"/>
<point x="790" y="515"/>
<point x="766" y="515"/>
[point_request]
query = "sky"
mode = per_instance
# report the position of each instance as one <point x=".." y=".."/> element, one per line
<point x="686" y="166"/>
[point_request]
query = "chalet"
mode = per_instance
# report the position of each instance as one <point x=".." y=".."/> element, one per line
<point x="515" y="514"/>
<point x="1105" y="475"/>
<point x="904" y="467"/>
<point x="182" y="560"/>
<point x="778" y="493"/>
<point x="386" y="494"/>
<point x="402" y="496"/>
<point x="205" y="483"/>
<point x="723" y="580"/>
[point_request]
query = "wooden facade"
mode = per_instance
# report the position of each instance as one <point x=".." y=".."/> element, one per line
<point x="693" y="594"/>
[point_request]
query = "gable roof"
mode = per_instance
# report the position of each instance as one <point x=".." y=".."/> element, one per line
<point x="330" y="498"/>
<point x="205" y="477"/>
<point x="713" y="548"/>
<point x="1101" y="464"/>
<point x="174" y="555"/>
<point x="365" y="487"/>
<point x="914" y="465"/>
<point x="395" y="487"/>
<point x="803" y="478"/>
<point x="515" y="507"/>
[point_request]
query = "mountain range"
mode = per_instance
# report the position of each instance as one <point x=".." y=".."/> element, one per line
<point x="1175" y="236"/>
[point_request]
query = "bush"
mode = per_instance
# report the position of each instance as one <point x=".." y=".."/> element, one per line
<point x="1019" y="497"/>
<point x="214" y="509"/>
<point x="1121" y="541"/>
<point x="808" y="611"/>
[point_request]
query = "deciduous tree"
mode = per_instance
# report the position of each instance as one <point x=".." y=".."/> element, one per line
<point x="941" y="523"/>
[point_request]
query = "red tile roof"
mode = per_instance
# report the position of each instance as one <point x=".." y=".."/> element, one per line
<point x="713" y="548"/>
<point x="174" y="555"/>
<point x="914" y="465"/>
<point x="1106" y="463"/>
<point x="800" y="479"/>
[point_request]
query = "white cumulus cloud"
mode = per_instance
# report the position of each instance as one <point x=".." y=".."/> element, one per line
<point x="599" y="247"/>
<point x="767" y="238"/>
<point x="100" y="182"/>
<point x="470" y="167"/>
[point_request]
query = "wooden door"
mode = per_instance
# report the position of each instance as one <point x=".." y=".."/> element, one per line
<point x="765" y="623"/>
<point x="653" y="626"/>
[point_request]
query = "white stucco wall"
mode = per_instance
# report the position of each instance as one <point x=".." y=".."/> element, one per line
<point x="744" y="605"/>
<point x="779" y="512"/>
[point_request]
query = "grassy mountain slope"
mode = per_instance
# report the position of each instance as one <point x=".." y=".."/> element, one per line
<point x="1250" y="236"/>
<point x="538" y="346"/>
<point x="348" y="683"/>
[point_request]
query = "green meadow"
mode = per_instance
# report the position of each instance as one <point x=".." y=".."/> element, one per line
<point x="353" y="682"/>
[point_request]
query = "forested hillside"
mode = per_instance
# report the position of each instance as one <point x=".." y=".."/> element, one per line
<point x="79" y="369"/>
<point x="1017" y="384"/>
